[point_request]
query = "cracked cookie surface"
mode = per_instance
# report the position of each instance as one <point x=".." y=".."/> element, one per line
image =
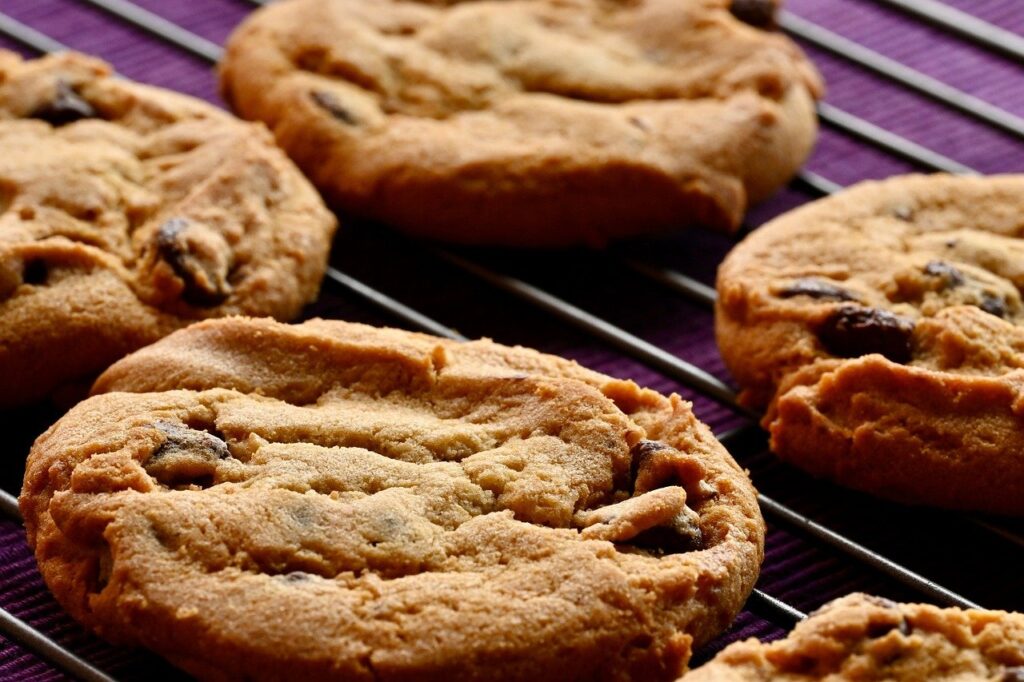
<point x="335" y="501"/>
<point x="882" y="330"/>
<point x="871" y="639"/>
<point x="126" y="212"/>
<point x="534" y="122"/>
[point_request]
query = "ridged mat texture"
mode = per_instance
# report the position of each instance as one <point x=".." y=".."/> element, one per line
<point x="949" y="548"/>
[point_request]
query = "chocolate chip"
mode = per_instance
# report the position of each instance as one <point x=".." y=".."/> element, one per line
<point x="330" y="103"/>
<point x="952" y="276"/>
<point x="205" y="287"/>
<point x="67" y="106"/>
<point x="641" y="451"/>
<point x="1014" y="674"/>
<point x="994" y="305"/>
<point x="681" y="534"/>
<point x="815" y="288"/>
<point x="853" y="331"/>
<point x="296" y="577"/>
<point x="187" y="456"/>
<point x="876" y="629"/>
<point x="881" y="601"/>
<point x="645" y="447"/>
<point x="36" y="272"/>
<point x="665" y="540"/>
<point x="951" y="243"/>
<point x="757" y="13"/>
<point x="183" y="438"/>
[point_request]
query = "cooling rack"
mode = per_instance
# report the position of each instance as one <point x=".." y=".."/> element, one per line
<point x="914" y="85"/>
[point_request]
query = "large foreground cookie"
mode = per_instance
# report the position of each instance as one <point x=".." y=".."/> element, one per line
<point x="869" y="639"/>
<point x="535" y="122"/>
<point x="881" y="329"/>
<point x="126" y="212"/>
<point x="332" y="500"/>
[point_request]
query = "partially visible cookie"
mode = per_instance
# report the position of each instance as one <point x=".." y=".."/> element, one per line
<point x="334" y="501"/>
<point x="126" y="212"/>
<point x="532" y="123"/>
<point x="869" y="639"/>
<point x="881" y="329"/>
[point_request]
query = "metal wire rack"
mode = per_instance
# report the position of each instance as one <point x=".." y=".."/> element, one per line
<point x="744" y="438"/>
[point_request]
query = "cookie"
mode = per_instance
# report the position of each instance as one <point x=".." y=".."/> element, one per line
<point x="127" y="212"/>
<point x="870" y="639"/>
<point x="530" y="123"/>
<point x="881" y="329"/>
<point x="254" y="500"/>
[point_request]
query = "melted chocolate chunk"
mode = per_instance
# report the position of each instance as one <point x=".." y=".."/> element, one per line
<point x="66" y="107"/>
<point x="876" y="630"/>
<point x="186" y="457"/>
<point x="853" y="331"/>
<point x="1014" y="674"/>
<point x="202" y="287"/>
<point x="644" y="448"/>
<point x="36" y="272"/>
<point x="180" y="438"/>
<point x="330" y="103"/>
<point x="296" y="577"/>
<point x="994" y="305"/>
<point x="640" y="452"/>
<point x="668" y="540"/>
<point x="879" y="601"/>
<point x="952" y="276"/>
<point x="757" y="13"/>
<point x="816" y="288"/>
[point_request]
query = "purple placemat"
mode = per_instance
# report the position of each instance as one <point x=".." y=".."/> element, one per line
<point x="800" y="571"/>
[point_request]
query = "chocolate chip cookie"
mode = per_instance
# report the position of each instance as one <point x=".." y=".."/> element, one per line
<point x="334" y="501"/>
<point x="532" y="123"/>
<point x="882" y="329"/>
<point x="127" y="212"/>
<point x="870" y="639"/>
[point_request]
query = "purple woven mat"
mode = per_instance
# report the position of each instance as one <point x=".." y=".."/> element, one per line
<point x="800" y="571"/>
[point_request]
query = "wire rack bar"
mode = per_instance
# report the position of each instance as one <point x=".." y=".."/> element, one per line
<point x="47" y="649"/>
<point x="396" y="308"/>
<point x="910" y="78"/>
<point x="817" y="184"/>
<point x="9" y="505"/>
<point x="890" y="141"/>
<point x="994" y="38"/>
<point x="28" y="36"/>
<point x="679" y="369"/>
<point x="158" y="26"/>
<point x="773" y="610"/>
<point x="1005" y="533"/>
<point x="873" y="559"/>
<point x="687" y="286"/>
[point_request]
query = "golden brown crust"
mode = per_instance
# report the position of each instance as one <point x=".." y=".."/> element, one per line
<point x="419" y="508"/>
<point x="126" y="212"/>
<point x="881" y="329"/>
<point x="868" y="639"/>
<point x="539" y="122"/>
